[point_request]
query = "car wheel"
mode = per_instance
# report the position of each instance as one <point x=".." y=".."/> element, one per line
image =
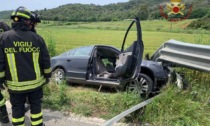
<point x="142" y="85"/>
<point x="59" y="76"/>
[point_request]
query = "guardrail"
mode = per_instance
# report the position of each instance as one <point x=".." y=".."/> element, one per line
<point x="127" y="112"/>
<point x="181" y="54"/>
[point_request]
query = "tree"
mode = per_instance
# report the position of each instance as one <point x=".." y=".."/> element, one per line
<point x="198" y="13"/>
<point x="143" y="12"/>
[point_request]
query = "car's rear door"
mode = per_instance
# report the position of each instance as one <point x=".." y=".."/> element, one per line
<point x="78" y="63"/>
<point x="129" y="62"/>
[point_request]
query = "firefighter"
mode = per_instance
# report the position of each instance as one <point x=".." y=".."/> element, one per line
<point x="3" y="110"/>
<point x="26" y="62"/>
<point x="35" y="21"/>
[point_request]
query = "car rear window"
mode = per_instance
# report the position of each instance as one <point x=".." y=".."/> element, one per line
<point x="83" y="51"/>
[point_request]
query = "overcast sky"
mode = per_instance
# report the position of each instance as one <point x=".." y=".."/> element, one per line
<point x="41" y="4"/>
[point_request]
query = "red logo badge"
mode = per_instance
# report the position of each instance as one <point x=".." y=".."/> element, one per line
<point x="176" y="10"/>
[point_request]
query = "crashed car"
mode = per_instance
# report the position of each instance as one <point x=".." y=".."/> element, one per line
<point x="108" y="66"/>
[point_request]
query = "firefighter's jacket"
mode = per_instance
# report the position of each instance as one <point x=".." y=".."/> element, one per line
<point x="24" y="59"/>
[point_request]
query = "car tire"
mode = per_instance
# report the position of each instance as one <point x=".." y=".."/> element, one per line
<point x="142" y="85"/>
<point x="58" y="76"/>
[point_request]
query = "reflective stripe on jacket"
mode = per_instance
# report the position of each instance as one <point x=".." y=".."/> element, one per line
<point x="24" y="59"/>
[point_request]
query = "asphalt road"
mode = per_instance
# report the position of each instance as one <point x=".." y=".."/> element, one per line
<point x="56" y="118"/>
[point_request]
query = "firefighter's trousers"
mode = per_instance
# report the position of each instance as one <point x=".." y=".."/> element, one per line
<point x="18" y="109"/>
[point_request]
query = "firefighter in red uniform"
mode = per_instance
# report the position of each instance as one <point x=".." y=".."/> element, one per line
<point x="25" y="60"/>
<point x="3" y="110"/>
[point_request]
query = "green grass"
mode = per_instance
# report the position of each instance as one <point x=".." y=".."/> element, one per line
<point x="150" y="25"/>
<point x="190" y="107"/>
<point x="88" y="101"/>
<point x="71" y="36"/>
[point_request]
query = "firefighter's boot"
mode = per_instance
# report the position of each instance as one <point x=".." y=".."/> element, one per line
<point x="3" y="114"/>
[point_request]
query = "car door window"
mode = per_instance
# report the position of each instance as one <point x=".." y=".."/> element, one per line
<point x="84" y="51"/>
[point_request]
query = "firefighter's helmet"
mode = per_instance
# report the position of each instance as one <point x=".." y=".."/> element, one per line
<point x="36" y="17"/>
<point x="21" y="13"/>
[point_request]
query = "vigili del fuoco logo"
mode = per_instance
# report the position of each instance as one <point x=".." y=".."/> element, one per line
<point x="175" y="10"/>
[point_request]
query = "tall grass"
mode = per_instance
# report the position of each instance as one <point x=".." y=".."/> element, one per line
<point x="49" y="38"/>
<point x="179" y="108"/>
<point x="87" y="101"/>
<point x="56" y="97"/>
<point x="67" y="37"/>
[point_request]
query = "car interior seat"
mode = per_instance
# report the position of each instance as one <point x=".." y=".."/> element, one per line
<point x="123" y="63"/>
<point x="100" y="67"/>
<point x="110" y="68"/>
<point x="101" y="70"/>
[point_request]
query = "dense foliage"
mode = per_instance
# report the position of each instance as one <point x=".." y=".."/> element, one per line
<point x="145" y="9"/>
<point x="5" y="14"/>
<point x="202" y="23"/>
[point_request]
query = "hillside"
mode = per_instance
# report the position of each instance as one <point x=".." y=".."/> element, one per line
<point x="5" y="14"/>
<point x="145" y="9"/>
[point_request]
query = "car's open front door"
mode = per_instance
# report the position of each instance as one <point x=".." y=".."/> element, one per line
<point x="129" y="63"/>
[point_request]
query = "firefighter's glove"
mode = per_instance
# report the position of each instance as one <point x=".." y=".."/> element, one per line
<point x="2" y="86"/>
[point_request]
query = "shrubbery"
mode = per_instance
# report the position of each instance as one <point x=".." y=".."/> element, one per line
<point x="202" y="23"/>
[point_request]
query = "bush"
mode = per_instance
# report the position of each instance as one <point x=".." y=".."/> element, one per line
<point x="202" y="23"/>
